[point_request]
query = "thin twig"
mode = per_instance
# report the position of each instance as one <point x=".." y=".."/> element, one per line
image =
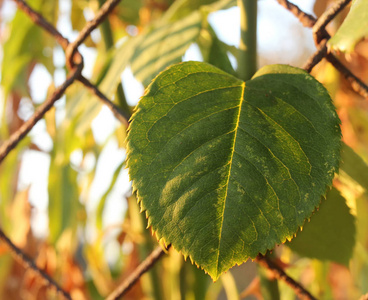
<point x="26" y="127"/>
<point x="118" y="113"/>
<point x="280" y="274"/>
<point x="90" y="26"/>
<point x="316" y="57"/>
<point x="147" y="264"/>
<point x="28" y="263"/>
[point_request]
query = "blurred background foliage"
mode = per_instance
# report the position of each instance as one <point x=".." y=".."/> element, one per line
<point x="65" y="198"/>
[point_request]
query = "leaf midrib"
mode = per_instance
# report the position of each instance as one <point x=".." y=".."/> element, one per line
<point x="229" y="175"/>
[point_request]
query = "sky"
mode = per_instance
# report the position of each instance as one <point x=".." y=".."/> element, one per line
<point x="275" y="26"/>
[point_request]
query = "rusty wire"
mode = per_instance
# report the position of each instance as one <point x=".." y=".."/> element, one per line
<point x="19" y="255"/>
<point x="75" y="65"/>
<point x="329" y="15"/>
<point x="321" y="37"/>
<point x="316" y="57"/>
<point x="101" y="15"/>
<point x="305" y="19"/>
<point x="26" y="127"/>
<point x="40" y="20"/>
<point x="278" y="273"/>
<point x="150" y="260"/>
<point x="122" y="116"/>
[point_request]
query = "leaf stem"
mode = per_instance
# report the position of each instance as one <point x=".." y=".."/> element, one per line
<point x="247" y="59"/>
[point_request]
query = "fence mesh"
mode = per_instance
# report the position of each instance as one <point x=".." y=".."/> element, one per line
<point x="74" y="61"/>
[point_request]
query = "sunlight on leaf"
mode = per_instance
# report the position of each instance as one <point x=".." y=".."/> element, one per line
<point x="353" y="29"/>
<point x="226" y="169"/>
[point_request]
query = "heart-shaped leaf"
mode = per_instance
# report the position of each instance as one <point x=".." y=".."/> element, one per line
<point x="226" y="169"/>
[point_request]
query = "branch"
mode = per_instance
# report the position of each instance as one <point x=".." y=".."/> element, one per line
<point x="147" y="264"/>
<point x="26" y="127"/>
<point x="265" y="262"/>
<point x="28" y="263"/>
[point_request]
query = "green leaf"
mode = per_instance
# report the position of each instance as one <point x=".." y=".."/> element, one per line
<point x="353" y="29"/>
<point x="354" y="166"/>
<point x="330" y="235"/>
<point x="226" y="169"/>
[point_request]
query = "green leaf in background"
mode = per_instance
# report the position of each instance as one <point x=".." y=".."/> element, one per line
<point x="214" y="51"/>
<point x="128" y="11"/>
<point x="353" y="29"/>
<point x="27" y="43"/>
<point x="167" y="42"/>
<point x="318" y="239"/>
<point x="119" y="62"/>
<point x="182" y="8"/>
<point x="164" y="46"/>
<point x="354" y="166"/>
<point x="64" y="206"/>
<point x="82" y="105"/>
<point x="9" y="170"/>
<point x="101" y="204"/>
<point x="63" y="198"/>
<point x="226" y="169"/>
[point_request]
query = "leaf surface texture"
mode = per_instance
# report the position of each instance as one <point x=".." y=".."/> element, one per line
<point x="227" y="169"/>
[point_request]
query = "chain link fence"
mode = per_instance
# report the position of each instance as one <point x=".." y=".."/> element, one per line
<point x="74" y="62"/>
